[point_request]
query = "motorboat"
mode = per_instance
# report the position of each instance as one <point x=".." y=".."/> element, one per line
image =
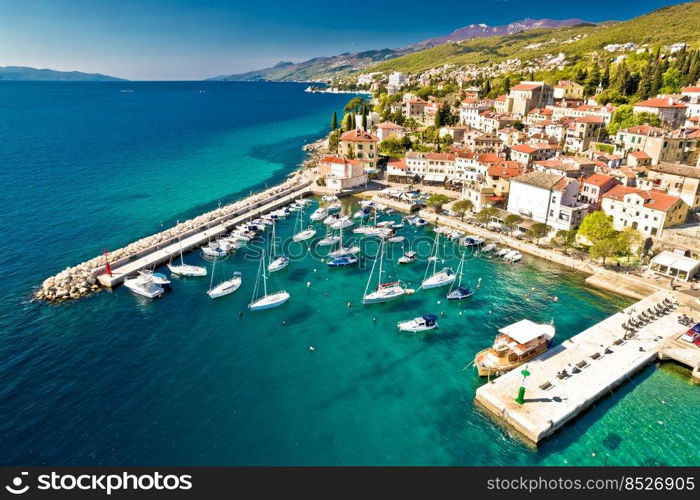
<point x="159" y="279"/>
<point x="318" y="214"/>
<point x="261" y="299"/>
<point x="361" y="213"/>
<point x="342" y="223"/>
<point x="144" y="285"/>
<point x="513" y="257"/>
<point x="396" y="239"/>
<point x="419" y="324"/>
<point x="225" y="287"/>
<point x="500" y="252"/>
<point x="213" y="250"/>
<point x="334" y="207"/>
<point x="329" y="240"/>
<point x="331" y="219"/>
<point x="408" y="257"/>
<point x="473" y="241"/>
<point x="420" y="222"/>
<point x="488" y="247"/>
<point x="514" y="345"/>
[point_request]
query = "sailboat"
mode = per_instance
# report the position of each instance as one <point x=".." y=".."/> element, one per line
<point x="277" y="262"/>
<point x="183" y="269"/>
<point x="460" y="292"/>
<point x="341" y="250"/>
<point x="265" y="301"/>
<point x="305" y="234"/>
<point x="225" y="287"/>
<point x="383" y="292"/>
<point x="438" y="278"/>
<point x="329" y="239"/>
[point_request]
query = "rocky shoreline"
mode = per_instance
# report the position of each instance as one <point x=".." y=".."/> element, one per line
<point x="81" y="280"/>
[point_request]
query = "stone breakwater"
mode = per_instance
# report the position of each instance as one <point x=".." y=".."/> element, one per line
<point x="81" y="280"/>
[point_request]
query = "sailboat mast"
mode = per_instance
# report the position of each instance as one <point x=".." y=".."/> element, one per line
<point x="264" y="276"/>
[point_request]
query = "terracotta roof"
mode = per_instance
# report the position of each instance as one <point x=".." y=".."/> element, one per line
<point x="389" y="125"/>
<point x="505" y="169"/>
<point x="524" y="148"/>
<point x="440" y="156"/>
<point x="399" y="163"/>
<point x="526" y="86"/>
<point x="653" y="199"/>
<point x="640" y="155"/>
<point x="339" y="160"/>
<point x="358" y="135"/>
<point x="589" y="119"/>
<point x="598" y="179"/>
<point x="543" y="180"/>
<point x="501" y="98"/>
<point x="676" y="169"/>
<point x="691" y="89"/>
<point x="660" y="102"/>
<point x="645" y="129"/>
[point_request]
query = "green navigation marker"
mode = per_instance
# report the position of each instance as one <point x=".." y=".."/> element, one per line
<point x="521" y="392"/>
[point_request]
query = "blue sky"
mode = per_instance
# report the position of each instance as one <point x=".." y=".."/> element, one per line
<point x="194" y="39"/>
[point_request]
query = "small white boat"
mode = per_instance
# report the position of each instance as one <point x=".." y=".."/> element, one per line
<point x="509" y="254"/>
<point x="500" y="252"/>
<point x="342" y="223"/>
<point x="144" y="285"/>
<point x="488" y="247"/>
<point x="441" y="278"/>
<point x="225" y="287"/>
<point x="318" y="214"/>
<point x="385" y="223"/>
<point x="396" y="239"/>
<point x="331" y="219"/>
<point x="361" y="214"/>
<point x="328" y="240"/>
<point x="307" y="233"/>
<point x="419" y="324"/>
<point x="183" y="269"/>
<point x="159" y="279"/>
<point x="473" y="241"/>
<point x="408" y="257"/>
<point x="420" y="222"/>
<point x="384" y="292"/>
<point x="334" y="207"/>
<point x="277" y="262"/>
<point x="513" y="256"/>
<point x="213" y="250"/>
<point x="397" y="225"/>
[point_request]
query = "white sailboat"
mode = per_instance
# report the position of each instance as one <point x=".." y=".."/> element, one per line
<point x="265" y="300"/>
<point x="443" y="277"/>
<point x="304" y="234"/>
<point x="183" y="269"/>
<point x="459" y="292"/>
<point x="383" y="292"/>
<point x="342" y="250"/>
<point x="225" y="287"/>
<point x="329" y="239"/>
<point x="277" y="262"/>
<point x="342" y="222"/>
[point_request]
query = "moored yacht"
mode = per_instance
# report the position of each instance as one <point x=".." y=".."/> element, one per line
<point x="144" y="285"/>
<point x="419" y="324"/>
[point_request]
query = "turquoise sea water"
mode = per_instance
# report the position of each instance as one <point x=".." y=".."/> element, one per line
<point x="115" y="380"/>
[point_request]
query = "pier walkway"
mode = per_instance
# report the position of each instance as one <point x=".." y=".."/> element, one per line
<point x="570" y="377"/>
<point x="164" y="252"/>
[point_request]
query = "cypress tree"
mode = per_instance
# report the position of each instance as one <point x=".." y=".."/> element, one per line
<point x="334" y="121"/>
<point x="506" y="84"/>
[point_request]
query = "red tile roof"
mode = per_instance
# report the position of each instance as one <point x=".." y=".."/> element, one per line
<point x="660" y="102"/>
<point x="399" y="163"/>
<point x="653" y="199"/>
<point x="640" y="155"/>
<point x="389" y="125"/>
<point x="440" y="156"/>
<point x="691" y="89"/>
<point x="524" y="148"/>
<point x="526" y="86"/>
<point x="358" y="135"/>
<point x="599" y="180"/>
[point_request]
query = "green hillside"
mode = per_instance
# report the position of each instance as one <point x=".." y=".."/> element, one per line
<point x="677" y="23"/>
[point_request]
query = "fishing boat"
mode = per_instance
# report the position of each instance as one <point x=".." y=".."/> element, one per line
<point x="408" y="257"/>
<point x="277" y="261"/>
<point x="419" y="324"/>
<point x="318" y="214"/>
<point x="514" y="345"/>
<point x="264" y="300"/>
<point x="144" y="285"/>
<point x="383" y="292"/>
<point x="434" y="278"/>
<point x="183" y="269"/>
<point x="460" y="291"/>
<point x="225" y="287"/>
<point x="304" y="234"/>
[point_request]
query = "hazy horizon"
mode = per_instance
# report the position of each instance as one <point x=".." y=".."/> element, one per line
<point x="161" y="40"/>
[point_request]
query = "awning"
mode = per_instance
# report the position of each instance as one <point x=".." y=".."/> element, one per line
<point x="495" y="198"/>
<point x="680" y="263"/>
<point x="434" y="178"/>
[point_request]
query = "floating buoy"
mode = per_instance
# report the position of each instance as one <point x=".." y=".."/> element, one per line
<point x="439" y="302"/>
<point x="312" y="348"/>
<point x="478" y="283"/>
<point x="314" y="269"/>
<point x="284" y="322"/>
<point x="349" y="304"/>
<point x="308" y="284"/>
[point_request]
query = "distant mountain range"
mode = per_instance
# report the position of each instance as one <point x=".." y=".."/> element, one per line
<point x="26" y="74"/>
<point x="322" y="68"/>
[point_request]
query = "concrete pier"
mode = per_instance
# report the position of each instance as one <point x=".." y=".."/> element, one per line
<point x="595" y="361"/>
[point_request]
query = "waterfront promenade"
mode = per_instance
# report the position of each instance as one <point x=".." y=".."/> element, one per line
<point x="570" y="377"/>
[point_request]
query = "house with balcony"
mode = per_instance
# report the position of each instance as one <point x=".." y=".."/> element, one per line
<point x="671" y="146"/>
<point x="361" y="145"/>
<point x="682" y="181"/>
<point x="389" y="129"/>
<point x="582" y="131"/>
<point x="526" y="154"/>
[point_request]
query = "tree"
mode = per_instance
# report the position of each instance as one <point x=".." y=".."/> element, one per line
<point x="436" y="201"/>
<point x="354" y="105"/>
<point x="348" y="122"/>
<point x="625" y="117"/>
<point x="506" y="84"/>
<point x="461" y="207"/>
<point x="537" y="231"/>
<point x="629" y="241"/>
<point x="486" y="213"/>
<point x="596" y="227"/>
<point x="603" y="249"/>
<point x="565" y="239"/>
<point x="334" y="121"/>
<point x="334" y="140"/>
<point x="511" y="221"/>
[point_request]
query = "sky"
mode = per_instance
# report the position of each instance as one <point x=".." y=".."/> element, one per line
<point x="196" y="39"/>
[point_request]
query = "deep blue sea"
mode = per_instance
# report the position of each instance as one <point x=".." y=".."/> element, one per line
<point x="184" y="380"/>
